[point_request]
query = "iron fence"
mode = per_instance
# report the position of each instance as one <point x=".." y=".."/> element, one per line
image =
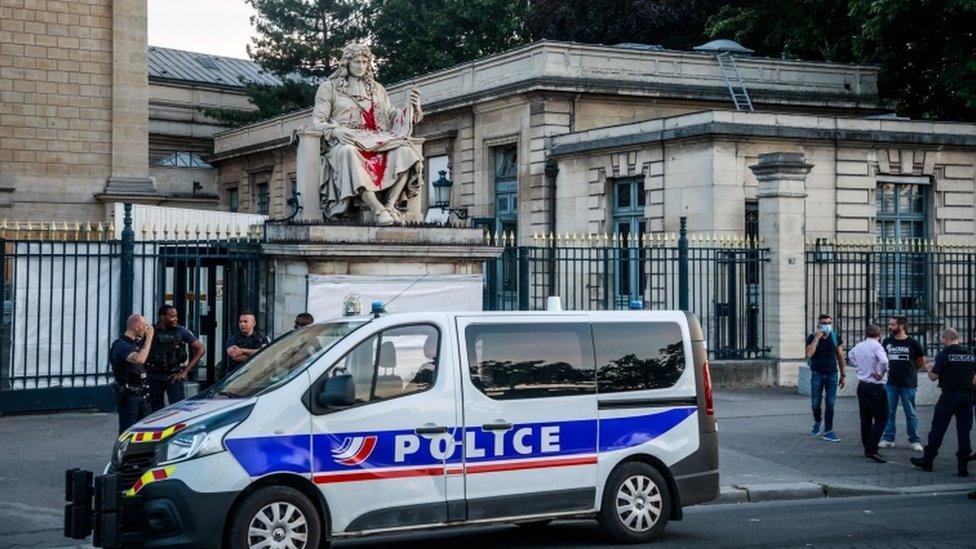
<point x="933" y="286"/>
<point x="719" y="279"/>
<point x="67" y="290"/>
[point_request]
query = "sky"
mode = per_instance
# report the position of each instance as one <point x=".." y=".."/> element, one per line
<point x="218" y="27"/>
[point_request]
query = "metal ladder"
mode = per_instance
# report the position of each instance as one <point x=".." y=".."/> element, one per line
<point x="733" y="79"/>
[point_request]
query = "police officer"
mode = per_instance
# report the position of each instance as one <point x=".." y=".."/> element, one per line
<point x="245" y="343"/>
<point x="167" y="357"/>
<point x="128" y="356"/>
<point x="955" y="370"/>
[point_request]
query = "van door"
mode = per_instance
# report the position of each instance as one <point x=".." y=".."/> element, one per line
<point x="381" y="462"/>
<point x="529" y="402"/>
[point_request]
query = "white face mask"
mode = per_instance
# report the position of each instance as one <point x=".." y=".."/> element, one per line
<point x="826" y="328"/>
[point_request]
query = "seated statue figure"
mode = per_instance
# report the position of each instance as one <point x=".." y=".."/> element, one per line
<point x="370" y="154"/>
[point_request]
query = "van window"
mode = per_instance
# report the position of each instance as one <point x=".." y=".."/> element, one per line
<point x="635" y="356"/>
<point x="513" y="361"/>
<point x="396" y="362"/>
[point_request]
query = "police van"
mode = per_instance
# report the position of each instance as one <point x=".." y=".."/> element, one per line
<point x="391" y="423"/>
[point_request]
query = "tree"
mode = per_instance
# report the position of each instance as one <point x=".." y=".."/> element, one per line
<point x="413" y="37"/>
<point x="299" y="41"/>
<point x="924" y="47"/>
<point x="819" y="30"/>
<point x="926" y="50"/>
<point x="270" y="100"/>
<point x="305" y="37"/>
<point x="677" y="24"/>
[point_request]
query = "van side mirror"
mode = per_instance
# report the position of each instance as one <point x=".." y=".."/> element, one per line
<point x="339" y="392"/>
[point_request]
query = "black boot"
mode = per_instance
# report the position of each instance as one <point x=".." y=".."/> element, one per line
<point x="923" y="463"/>
<point x="963" y="468"/>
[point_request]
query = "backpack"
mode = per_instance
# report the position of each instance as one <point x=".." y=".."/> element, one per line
<point x="834" y="338"/>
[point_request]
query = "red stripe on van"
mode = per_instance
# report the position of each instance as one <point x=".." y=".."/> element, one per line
<point x="533" y="464"/>
<point x="376" y="474"/>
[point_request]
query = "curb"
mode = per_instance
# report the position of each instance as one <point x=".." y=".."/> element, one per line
<point x="793" y="491"/>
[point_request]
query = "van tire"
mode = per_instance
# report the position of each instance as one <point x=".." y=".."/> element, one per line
<point x="642" y="492"/>
<point x="293" y="506"/>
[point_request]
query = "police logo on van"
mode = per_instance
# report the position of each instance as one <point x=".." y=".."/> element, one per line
<point x="354" y="450"/>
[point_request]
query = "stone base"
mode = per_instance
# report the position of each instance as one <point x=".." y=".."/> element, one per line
<point x="743" y="374"/>
<point x="926" y="395"/>
<point x="303" y="251"/>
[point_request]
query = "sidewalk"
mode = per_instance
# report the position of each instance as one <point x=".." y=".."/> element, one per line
<point x="766" y="453"/>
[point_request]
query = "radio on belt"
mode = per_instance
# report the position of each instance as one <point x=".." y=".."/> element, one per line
<point x="381" y="423"/>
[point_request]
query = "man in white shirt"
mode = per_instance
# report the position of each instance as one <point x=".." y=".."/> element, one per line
<point x="871" y="361"/>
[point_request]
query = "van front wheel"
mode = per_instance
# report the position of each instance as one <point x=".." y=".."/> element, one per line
<point x="276" y="516"/>
<point x="636" y="503"/>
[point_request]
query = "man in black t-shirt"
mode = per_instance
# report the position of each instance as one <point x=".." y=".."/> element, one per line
<point x="905" y="358"/>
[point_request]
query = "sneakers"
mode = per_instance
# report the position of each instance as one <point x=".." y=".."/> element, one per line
<point x="831" y="436"/>
<point x="886" y="444"/>
<point x="920" y="462"/>
<point x="917" y="447"/>
<point x="816" y="429"/>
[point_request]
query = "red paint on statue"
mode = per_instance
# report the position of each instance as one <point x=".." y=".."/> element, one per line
<point x="375" y="161"/>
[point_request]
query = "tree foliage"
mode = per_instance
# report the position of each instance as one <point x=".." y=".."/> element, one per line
<point x="677" y="24"/>
<point x="927" y="52"/>
<point x="924" y="47"/>
<point x="305" y="37"/>
<point x="413" y="37"/>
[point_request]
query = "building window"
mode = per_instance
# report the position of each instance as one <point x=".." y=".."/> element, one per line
<point x="507" y="362"/>
<point x="435" y="165"/>
<point x="264" y="199"/>
<point x="181" y="160"/>
<point x="505" y="172"/>
<point x="901" y="216"/>
<point x="628" y="198"/>
<point x="233" y="200"/>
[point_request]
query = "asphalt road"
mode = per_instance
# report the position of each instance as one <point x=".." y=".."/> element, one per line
<point x="883" y="522"/>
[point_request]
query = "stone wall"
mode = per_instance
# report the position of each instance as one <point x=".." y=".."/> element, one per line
<point x="56" y="115"/>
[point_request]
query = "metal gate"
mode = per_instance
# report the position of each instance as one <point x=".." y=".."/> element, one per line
<point x="66" y="291"/>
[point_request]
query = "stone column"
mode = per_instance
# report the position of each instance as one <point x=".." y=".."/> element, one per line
<point x="782" y="226"/>
<point x="308" y="167"/>
<point x="130" y="101"/>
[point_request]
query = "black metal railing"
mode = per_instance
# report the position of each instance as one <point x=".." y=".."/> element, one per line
<point x="67" y="290"/>
<point x="932" y="285"/>
<point x="719" y="279"/>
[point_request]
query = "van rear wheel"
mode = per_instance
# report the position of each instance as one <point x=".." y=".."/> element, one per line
<point x="636" y="504"/>
<point x="276" y="517"/>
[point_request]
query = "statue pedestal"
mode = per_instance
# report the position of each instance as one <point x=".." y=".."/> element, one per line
<point x="323" y="269"/>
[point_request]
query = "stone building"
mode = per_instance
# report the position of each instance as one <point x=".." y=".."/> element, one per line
<point x="546" y="137"/>
<point x="90" y="115"/>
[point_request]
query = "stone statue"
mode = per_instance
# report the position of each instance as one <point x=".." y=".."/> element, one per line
<point x="370" y="154"/>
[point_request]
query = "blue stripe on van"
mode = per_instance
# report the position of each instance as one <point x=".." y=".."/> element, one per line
<point x="377" y="450"/>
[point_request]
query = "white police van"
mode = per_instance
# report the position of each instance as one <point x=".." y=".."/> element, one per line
<point x="369" y="425"/>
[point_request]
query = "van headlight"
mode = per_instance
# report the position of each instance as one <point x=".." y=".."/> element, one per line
<point x="201" y="439"/>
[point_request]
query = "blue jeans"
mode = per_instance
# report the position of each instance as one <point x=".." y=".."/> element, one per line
<point x="820" y="383"/>
<point x="907" y="397"/>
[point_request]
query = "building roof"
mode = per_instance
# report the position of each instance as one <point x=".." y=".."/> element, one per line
<point x="171" y="65"/>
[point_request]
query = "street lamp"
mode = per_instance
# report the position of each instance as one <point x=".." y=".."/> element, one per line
<point x="442" y="196"/>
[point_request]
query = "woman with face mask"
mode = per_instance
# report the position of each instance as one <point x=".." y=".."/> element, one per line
<point x="825" y="355"/>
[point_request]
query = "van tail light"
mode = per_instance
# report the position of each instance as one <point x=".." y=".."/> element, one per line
<point x="707" y="384"/>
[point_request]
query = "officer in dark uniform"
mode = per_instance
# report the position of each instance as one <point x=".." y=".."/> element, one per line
<point x="244" y="343"/>
<point x="955" y="369"/>
<point x="167" y="365"/>
<point x="128" y="356"/>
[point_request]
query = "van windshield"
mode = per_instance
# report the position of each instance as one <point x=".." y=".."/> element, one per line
<point x="281" y="361"/>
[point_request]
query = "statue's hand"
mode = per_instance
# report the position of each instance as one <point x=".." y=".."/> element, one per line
<point x="342" y="135"/>
<point x="415" y="100"/>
